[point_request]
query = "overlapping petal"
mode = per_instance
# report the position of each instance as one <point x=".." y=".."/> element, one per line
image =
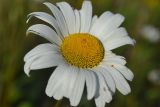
<point x="86" y="16"/>
<point x="69" y="16"/>
<point x="59" y="17"/>
<point x="46" y="18"/>
<point x="47" y="53"/>
<point x="45" y="32"/>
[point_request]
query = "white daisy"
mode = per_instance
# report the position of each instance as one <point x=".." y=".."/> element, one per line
<point x="80" y="46"/>
<point x="150" y="33"/>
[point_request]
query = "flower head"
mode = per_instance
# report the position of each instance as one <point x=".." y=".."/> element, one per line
<point x="80" y="46"/>
<point x="150" y="33"/>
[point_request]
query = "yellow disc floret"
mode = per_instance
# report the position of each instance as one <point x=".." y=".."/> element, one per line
<point x="82" y="50"/>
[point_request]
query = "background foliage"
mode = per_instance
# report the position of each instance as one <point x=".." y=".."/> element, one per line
<point x="17" y="90"/>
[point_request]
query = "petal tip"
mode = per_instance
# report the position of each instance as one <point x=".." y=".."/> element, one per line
<point x="27" y="73"/>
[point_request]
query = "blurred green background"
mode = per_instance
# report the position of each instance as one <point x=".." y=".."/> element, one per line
<point x="142" y="20"/>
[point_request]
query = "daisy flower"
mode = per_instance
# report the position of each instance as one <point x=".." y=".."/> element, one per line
<point x="80" y="46"/>
<point x="150" y="33"/>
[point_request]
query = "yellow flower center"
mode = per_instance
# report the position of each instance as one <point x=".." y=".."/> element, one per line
<point x="82" y="50"/>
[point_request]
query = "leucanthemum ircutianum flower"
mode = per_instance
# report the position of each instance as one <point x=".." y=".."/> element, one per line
<point x="80" y="46"/>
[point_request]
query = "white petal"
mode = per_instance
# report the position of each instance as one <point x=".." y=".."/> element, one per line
<point x="28" y="64"/>
<point x="65" y="87"/>
<point x="40" y="61"/>
<point x="58" y="93"/>
<point x="42" y="48"/>
<point x="117" y="38"/>
<point x="65" y="84"/>
<point x="120" y="32"/>
<point x="116" y="60"/>
<point x="103" y="91"/>
<point x="94" y="19"/>
<point x="121" y="83"/>
<point x="127" y="73"/>
<point x="108" y="25"/>
<point x="100" y="102"/>
<point x="47" y="18"/>
<point x="69" y="83"/>
<point x="46" y="61"/>
<point x="45" y="32"/>
<point x="78" y="89"/>
<point x="39" y="51"/>
<point x="117" y="42"/>
<point x="112" y="59"/>
<point x="86" y="16"/>
<point x="56" y="78"/>
<point x="69" y="16"/>
<point x="112" y="24"/>
<point x="108" y="78"/>
<point x="100" y="23"/>
<point x="77" y="15"/>
<point x="59" y="17"/>
<point x="91" y="83"/>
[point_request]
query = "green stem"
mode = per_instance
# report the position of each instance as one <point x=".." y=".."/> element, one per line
<point x="58" y="103"/>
